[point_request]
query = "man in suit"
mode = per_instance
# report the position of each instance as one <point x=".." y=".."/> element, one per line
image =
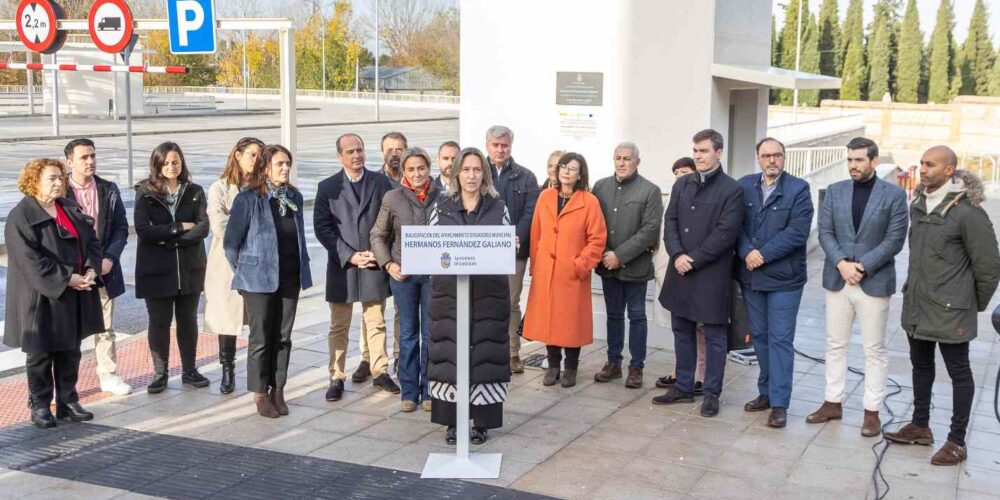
<point x="347" y="205"/>
<point x="703" y="222"/>
<point x="772" y="249"/>
<point x="447" y="152"/>
<point x="862" y="226"/>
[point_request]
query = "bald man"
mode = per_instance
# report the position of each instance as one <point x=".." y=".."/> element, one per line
<point x="954" y="270"/>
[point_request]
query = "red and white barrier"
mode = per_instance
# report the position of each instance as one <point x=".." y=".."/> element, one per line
<point x="100" y="68"/>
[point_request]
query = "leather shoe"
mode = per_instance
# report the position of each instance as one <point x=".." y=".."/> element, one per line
<point x="673" y="396"/>
<point x="760" y="403"/>
<point x="451" y="437"/>
<point x="551" y="376"/>
<point x="265" y="407"/>
<point x="193" y="378"/>
<point x="911" y="434"/>
<point x="634" y="380"/>
<point x="608" y="373"/>
<point x="778" y="418"/>
<point x="872" y="426"/>
<point x="949" y="454"/>
<point x="516" y="365"/>
<point x="42" y="417"/>
<point x="666" y="382"/>
<point x="336" y="390"/>
<point x="158" y="385"/>
<point x="74" y="412"/>
<point x="827" y="411"/>
<point x="569" y="377"/>
<point x="278" y="399"/>
<point x="384" y="382"/>
<point x="362" y="373"/>
<point x="710" y="406"/>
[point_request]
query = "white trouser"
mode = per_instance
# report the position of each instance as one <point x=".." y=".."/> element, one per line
<point x="841" y="309"/>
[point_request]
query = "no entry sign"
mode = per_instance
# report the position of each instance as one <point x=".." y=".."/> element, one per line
<point x="37" y="25"/>
<point x="110" y="25"/>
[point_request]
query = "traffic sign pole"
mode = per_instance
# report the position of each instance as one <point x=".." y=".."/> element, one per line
<point x="55" y="98"/>
<point x="127" y="55"/>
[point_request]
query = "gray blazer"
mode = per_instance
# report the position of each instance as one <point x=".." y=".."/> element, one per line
<point x="879" y="238"/>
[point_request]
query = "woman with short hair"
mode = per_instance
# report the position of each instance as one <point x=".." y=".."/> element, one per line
<point x="265" y="246"/>
<point x="53" y="255"/>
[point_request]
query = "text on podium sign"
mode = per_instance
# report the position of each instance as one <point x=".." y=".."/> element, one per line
<point x="457" y="250"/>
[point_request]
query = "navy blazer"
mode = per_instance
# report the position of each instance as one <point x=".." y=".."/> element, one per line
<point x="251" y="243"/>
<point x="112" y="230"/>
<point x="875" y="244"/>
<point x="778" y="229"/>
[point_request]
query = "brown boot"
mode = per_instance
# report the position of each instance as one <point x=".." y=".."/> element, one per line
<point x="827" y="412"/>
<point x="778" y="418"/>
<point x="634" y="380"/>
<point x="608" y="373"/>
<point x="872" y="426"/>
<point x="516" y="366"/>
<point x="265" y="407"/>
<point x="912" y="434"/>
<point x="760" y="403"/>
<point x="949" y="454"/>
<point x="278" y="399"/>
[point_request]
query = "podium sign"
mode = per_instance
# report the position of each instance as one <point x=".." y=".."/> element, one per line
<point x="460" y="251"/>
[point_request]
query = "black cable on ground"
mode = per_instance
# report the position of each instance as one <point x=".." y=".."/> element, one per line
<point x="878" y="478"/>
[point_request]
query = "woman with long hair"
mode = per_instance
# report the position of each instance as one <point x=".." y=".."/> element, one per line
<point x="265" y="245"/>
<point x="171" y="224"/>
<point x="223" y="305"/>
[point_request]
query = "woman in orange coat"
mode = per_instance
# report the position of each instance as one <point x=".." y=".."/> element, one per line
<point x="567" y="238"/>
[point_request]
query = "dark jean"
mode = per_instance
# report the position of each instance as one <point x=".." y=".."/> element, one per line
<point x="963" y="387"/>
<point x="412" y="298"/>
<point x="772" y="327"/>
<point x="686" y="348"/>
<point x="620" y="296"/>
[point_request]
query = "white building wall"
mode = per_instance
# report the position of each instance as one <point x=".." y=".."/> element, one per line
<point x="87" y="92"/>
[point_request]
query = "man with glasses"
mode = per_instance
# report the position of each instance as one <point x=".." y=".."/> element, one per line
<point x="772" y="248"/>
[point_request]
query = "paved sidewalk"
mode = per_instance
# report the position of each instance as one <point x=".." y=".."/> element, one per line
<point x="592" y="441"/>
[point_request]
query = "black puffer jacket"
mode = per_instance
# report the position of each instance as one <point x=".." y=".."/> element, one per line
<point x="490" y="304"/>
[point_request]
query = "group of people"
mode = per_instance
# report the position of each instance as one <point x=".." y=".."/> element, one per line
<point x="719" y="238"/>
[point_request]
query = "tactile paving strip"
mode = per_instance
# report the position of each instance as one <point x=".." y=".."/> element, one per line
<point x="135" y="365"/>
<point x="177" y="467"/>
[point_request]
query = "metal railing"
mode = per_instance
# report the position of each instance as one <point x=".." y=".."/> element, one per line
<point x="802" y="162"/>
<point x="334" y="94"/>
<point x="985" y="164"/>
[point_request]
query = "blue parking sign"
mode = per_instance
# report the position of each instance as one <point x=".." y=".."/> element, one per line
<point x="192" y="26"/>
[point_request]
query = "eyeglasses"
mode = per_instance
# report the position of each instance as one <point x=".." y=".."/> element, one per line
<point x="569" y="169"/>
<point x="774" y="156"/>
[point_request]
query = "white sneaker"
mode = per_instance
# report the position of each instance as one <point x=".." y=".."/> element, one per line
<point x="114" y="384"/>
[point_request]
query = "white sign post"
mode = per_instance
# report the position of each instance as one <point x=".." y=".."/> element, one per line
<point x="461" y="251"/>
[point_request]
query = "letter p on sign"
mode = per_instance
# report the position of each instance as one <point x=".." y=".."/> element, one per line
<point x="192" y="26"/>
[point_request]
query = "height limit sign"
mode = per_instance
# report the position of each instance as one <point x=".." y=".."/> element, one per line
<point x="110" y="24"/>
<point x="37" y="25"/>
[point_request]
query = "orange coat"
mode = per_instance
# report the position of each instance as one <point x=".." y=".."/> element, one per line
<point x="565" y="248"/>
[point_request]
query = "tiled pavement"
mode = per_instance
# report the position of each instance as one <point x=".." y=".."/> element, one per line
<point x="594" y="440"/>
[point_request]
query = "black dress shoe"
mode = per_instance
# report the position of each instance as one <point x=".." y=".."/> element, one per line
<point x="710" y="406"/>
<point x="451" y="437"/>
<point x="362" y="373"/>
<point x="42" y="417"/>
<point x="158" y="385"/>
<point x="666" y="382"/>
<point x="74" y="412"/>
<point x="336" y="390"/>
<point x="698" y="391"/>
<point x="193" y="378"/>
<point x="673" y="396"/>
<point x="478" y="435"/>
<point x="385" y="383"/>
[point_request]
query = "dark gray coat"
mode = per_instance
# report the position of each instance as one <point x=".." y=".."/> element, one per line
<point x="632" y="210"/>
<point x="343" y="225"/>
<point x="400" y="207"/>
<point x="954" y="264"/>
<point x="43" y="314"/>
<point x="704" y="221"/>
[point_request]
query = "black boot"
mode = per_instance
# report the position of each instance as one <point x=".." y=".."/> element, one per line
<point x="73" y="411"/>
<point x="555" y="362"/>
<point x="227" y="358"/>
<point x="41" y="415"/>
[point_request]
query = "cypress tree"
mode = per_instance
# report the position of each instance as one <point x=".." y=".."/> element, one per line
<point x="810" y="58"/>
<point x="880" y="47"/>
<point x="994" y="88"/>
<point x="853" y="50"/>
<point x="789" y="41"/>
<point x="977" y="54"/>
<point x="830" y="62"/>
<point x="911" y="51"/>
<point x="942" y="57"/>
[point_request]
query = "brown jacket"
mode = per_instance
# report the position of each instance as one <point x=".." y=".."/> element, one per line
<point x="400" y="207"/>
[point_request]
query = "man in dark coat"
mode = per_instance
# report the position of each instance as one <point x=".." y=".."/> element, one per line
<point x="101" y="200"/>
<point x="346" y="208"/>
<point x="518" y="189"/>
<point x="703" y="222"/>
<point x="954" y="271"/>
<point x="772" y="272"/>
